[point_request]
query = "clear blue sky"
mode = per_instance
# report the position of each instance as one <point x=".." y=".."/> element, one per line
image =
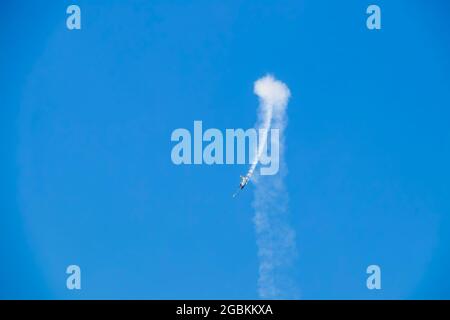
<point x="85" y="124"/>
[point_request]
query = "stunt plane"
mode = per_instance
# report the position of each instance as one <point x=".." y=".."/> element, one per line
<point x="244" y="181"/>
<point x="242" y="184"/>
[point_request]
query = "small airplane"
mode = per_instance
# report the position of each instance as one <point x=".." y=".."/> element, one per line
<point x="242" y="184"/>
<point x="244" y="181"/>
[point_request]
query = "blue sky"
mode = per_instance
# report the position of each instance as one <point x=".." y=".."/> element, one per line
<point x="86" y="174"/>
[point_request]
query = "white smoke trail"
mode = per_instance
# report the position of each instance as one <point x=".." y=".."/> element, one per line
<point x="275" y="239"/>
<point x="273" y="97"/>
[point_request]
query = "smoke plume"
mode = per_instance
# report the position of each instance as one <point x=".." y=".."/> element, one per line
<point x="275" y="238"/>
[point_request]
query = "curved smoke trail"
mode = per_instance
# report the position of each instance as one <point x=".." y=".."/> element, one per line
<point x="275" y="238"/>
<point x="273" y="97"/>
